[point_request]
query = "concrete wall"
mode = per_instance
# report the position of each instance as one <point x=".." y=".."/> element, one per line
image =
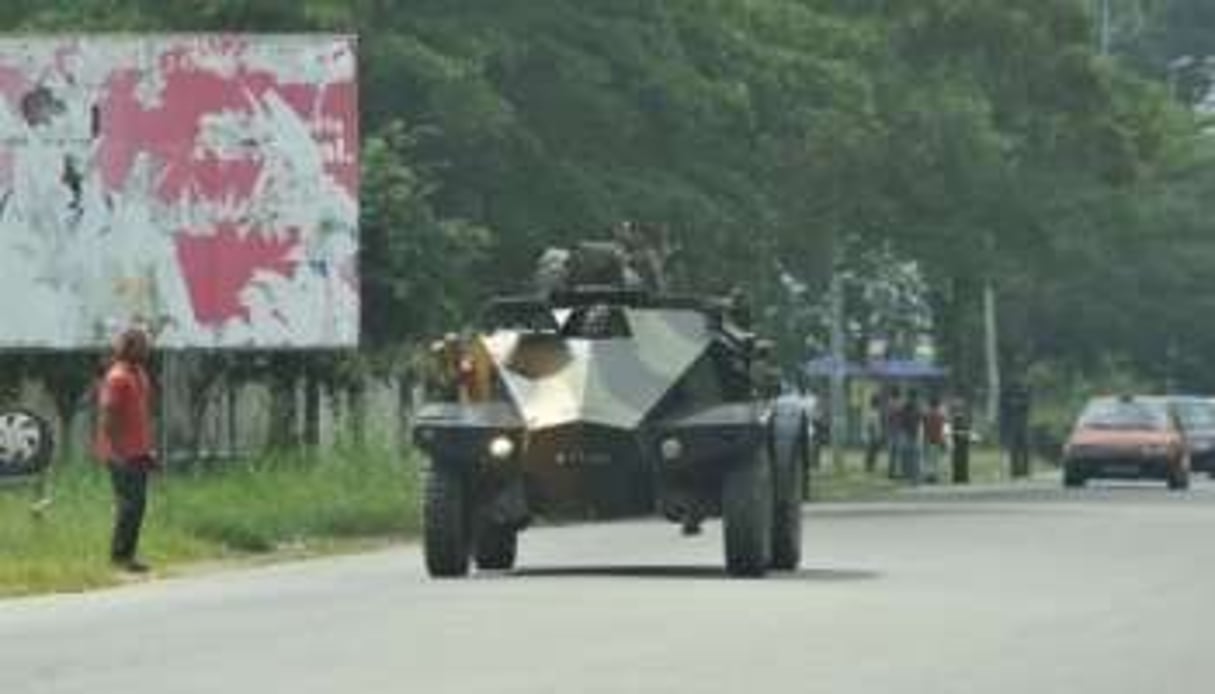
<point x="235" y="419"/>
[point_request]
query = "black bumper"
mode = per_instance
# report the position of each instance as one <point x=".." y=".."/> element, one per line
<point x="1127" y="468"/>
<point x="1203" y="461"/>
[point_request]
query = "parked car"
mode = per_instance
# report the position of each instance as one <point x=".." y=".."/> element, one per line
<point x="1128" y="438"/>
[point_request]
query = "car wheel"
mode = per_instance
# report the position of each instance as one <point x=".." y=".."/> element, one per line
<point x="1072" y="477"/>
<point x="1179" y="480"/>
<point x="496" y="547"/>
<point x="787" y="509"/>
<point x="746" y="501"/>
<point x="445" y="517"/>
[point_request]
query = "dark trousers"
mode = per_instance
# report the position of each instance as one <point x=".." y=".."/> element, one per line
<point x="1018" y="453"/>
<point x="873" y="448"/>
<point x="130" y="499"/>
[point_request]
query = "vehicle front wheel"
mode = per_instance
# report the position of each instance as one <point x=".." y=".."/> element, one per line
<point x="746" y="500"/>
<point x="445" y="517"/>
<point x="787" y="509"/>
<point x="496" y="547"/>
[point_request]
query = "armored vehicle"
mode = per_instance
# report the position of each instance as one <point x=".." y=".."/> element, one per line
<point x="606" y="401"/>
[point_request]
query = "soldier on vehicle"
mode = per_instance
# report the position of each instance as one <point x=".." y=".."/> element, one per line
<point x="442" y="380"/>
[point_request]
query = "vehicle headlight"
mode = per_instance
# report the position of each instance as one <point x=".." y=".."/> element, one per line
<point x="1072" y="449"/>
<point x="671" y="449"/>
<point x="501" y="447"/>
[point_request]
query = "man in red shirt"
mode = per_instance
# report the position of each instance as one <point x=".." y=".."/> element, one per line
<point x="934" y="438"/>
<point x="124" y="441"/>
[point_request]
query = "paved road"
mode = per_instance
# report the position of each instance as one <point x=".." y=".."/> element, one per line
<point x="1026" y="590"/>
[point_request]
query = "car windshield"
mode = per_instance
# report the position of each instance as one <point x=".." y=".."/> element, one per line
<point x="1112" y="414"/>
<point x="1197" y="416"/>
<point x="596" y="322"/>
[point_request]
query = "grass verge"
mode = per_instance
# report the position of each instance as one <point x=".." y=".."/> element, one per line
<point x="282" y="503"/>
<point x="276" y="507"/>
<point x="850" y="481"/>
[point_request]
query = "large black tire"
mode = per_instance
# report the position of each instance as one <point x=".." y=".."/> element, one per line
<point x="787" y="507"/>
<point x="496" y="547"/>
<point x="1072" y="477"/>
<point x="445" y="517"/>
<point x="746" y="500"/>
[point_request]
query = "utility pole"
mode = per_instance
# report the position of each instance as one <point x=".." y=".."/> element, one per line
<point x="839" y="417"/>
<point x="1170" y="362"/>
<point x="1106" y="28"/>
<point x="990" y="327"/>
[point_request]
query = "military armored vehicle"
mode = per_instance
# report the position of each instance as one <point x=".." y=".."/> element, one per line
<point x="601" y="400"/>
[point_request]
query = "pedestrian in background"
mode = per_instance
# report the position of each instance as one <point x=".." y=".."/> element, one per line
<point x="124" y="442"/>
<point x="909" y="437"/>
<point x="935" y="419"/>
<point x="894" y="436"/>
<point x="1014" y="426"/>
<point x="959" y="431"/>
<point x="821" y="430"/>
<point x="875" y="432"/>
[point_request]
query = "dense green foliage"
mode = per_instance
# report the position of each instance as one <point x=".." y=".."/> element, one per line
<point x="989" y="140"/>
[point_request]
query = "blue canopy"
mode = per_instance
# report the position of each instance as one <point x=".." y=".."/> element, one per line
<point x="905" y="369"/>
<point x="828" y="366"/>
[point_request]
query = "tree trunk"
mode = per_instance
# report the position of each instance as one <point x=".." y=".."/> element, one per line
<point x="231" y="392"/>
<point x="839" y="408"/>
<point x="283" y="409"/>
<point x="991" y="340"/>
<point x="312" y="412"/>
<point x="358" y="414"/>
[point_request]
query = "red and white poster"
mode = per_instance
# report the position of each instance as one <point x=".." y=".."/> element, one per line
<point x="204" y="185"/>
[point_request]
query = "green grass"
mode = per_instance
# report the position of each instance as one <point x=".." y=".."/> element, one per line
<point x="268" y="507"/>
<point x="850" y="482"/>
<point x="244" y="510"/>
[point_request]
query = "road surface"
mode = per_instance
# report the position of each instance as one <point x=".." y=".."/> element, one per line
<point x="1004" y="590"/>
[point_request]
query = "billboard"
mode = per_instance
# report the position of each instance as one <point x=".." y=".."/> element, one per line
<point x="206" y="185"/>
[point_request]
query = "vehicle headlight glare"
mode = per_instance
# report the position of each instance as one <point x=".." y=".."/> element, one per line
<point x="501" y="447"/>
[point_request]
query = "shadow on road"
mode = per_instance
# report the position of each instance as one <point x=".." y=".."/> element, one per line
<point x="1023" y="498"/>
<point x="686" y="573"/>
<point x="940" y="507"/>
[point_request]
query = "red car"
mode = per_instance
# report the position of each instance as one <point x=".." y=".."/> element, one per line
<point x="1128" y="438"/>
